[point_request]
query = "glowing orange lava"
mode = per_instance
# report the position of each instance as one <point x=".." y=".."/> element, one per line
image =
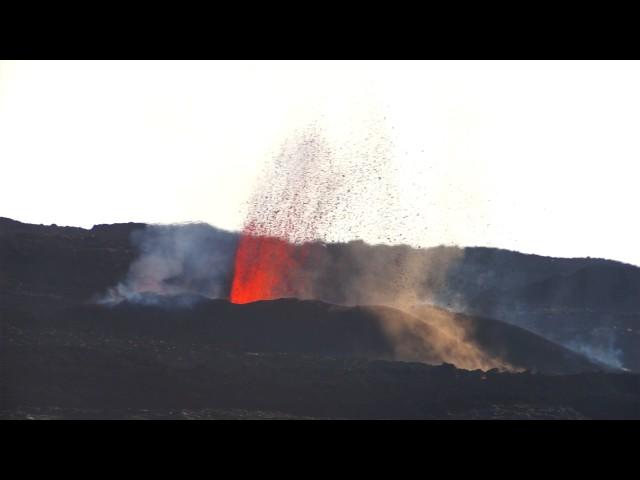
<point x="265" y="268"/>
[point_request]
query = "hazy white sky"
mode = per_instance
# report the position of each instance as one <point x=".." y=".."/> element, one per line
<point x="540" y="157"/>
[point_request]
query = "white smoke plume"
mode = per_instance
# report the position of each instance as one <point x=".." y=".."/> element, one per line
<point x="177" y="259"/>
<point x="600" y="346"/>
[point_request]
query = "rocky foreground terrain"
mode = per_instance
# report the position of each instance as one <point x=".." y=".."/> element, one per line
<point x="127" y="370"/>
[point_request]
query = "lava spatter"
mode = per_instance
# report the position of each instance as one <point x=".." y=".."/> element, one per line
<point x="305" y="194"/>
<point x="266" y="268"/>
<point x="288" y="210"/>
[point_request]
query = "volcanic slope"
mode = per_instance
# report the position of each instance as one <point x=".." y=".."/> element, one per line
<point x="429" y="335"/>
<point x="214" y="359"/>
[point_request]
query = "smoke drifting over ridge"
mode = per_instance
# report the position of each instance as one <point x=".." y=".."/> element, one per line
<point x="178" y="259"/>
<point x="437" y="337"/>
<point x="199" y="259"/>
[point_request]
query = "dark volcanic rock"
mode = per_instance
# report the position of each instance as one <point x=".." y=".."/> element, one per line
<point x="49" y="261"/>
<point x="90" y="376"/>
<point x="309" y="327"/>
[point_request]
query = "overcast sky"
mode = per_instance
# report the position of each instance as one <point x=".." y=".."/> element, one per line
<point x="540" y="157"/>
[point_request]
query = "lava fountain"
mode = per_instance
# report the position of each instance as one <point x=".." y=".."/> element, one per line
<point x="305" y="195"/>
<point x="266" y="268"/>
<point x="287" y="212"/>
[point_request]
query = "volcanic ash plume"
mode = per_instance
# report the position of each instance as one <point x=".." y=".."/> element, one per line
<point x="437" y="338"/>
